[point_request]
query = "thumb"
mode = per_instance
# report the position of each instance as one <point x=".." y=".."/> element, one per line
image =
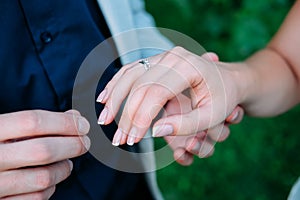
<point x="185" y="124"/>
<point x="211" y="56"/>
<point x="236" y="116"/>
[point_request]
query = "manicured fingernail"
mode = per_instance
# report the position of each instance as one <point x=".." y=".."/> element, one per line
<point x="123" y="138"/>
<point x="131" y="136"/>
<point x="234" y="117"/>
<point x="70" y="164"/>
<point x="83" y="125"/>
<point x="163" y="130"/>
<point x="103" y="116"/>
<point x="86" y="142"/>
<point x="182" y="158"/>
<point x="196" y="148"/>
<point x="101" y="96"/>
<point x="117" y="138"/>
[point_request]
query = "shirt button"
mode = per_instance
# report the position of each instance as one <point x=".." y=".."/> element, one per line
<point x="46" y="37"/>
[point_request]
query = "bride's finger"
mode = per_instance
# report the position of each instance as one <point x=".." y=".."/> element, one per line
<point x="118" y="93"/>
<point x="236" y="116"/>
<point x="172" y="75"/>
<point x="186" y="124"/>
<point x="219" y="133"/>
<point x="103" y="96"/>
<point x="203" y="147"/>
<point x="105" y="93"/>
<point x="159" y="75"/>
<point x="167" y="57"/>
<point x="146" y="104"/>
<point x="183" y="157"/>
<point x="119" y="87"/>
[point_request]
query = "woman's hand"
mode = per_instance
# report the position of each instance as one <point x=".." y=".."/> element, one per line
<point x="200" y="144"/>
<point x="211" y="88"/>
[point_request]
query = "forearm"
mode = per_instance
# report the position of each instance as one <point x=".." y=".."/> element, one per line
<point x="269" y="80"/>
<point x="269" y="85"/>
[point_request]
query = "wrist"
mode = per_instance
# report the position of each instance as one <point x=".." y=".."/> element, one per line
<point x="240" y="78"/>
<point x="243" y="79"/>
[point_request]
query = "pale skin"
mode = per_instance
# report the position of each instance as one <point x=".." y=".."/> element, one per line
<point x="35" y="148"/>
<point x="266" y="84"/>
<point x="200" y="144"/>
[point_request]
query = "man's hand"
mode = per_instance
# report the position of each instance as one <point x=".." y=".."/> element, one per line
<point x="34" y="150"/>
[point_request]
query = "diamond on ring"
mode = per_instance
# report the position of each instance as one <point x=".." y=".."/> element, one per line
<point x="145" y="63"/>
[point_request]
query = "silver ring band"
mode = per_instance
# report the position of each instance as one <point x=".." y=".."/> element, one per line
<point x="145" y="63"/>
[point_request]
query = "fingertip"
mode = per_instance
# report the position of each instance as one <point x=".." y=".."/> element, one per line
<point x="211" y="56"/>
<point x="224" y="135"/>
<point x="83" y="125"/>
<point x="193" y="145"/>
<point x="137" y="139"/>
<point x="182" y="157"/>
<point x="236" y="116"/>
<point x="102" y="96"/>
<point x="132" y="136"/>
<point x="73" y="112"/>
<point x="130" y="140"/>
<point x="123" y="138"/>
<point x="70" y="163"/>
<point x="162" y="130"/>
<point x="207" y="149"/>
<point x="103" y="116"/>
<point x="117" y="138"/>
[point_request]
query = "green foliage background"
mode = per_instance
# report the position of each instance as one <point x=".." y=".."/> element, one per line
<point x="260" y="160"/>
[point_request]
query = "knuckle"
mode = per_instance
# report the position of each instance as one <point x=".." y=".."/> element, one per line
<point x="127" y="70"/>
<point x="178" y="49"/>
<point x="159" y="93"/>
<point x="30" y="121"/>
<point x="192" y="60"/>
<point x="68" y="122"/>
<point x="124" y="68"/>
<point x="43" y="179"/>
<point x="142" y="121"/>
<point x="42" y="153"/>
<point x="139" y="86"/>
<point x="177" y="53"/>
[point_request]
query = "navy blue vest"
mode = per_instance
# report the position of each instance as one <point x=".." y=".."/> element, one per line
<point x="43" y="43"/>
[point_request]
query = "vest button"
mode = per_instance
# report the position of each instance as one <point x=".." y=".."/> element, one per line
<point x="46" y="37"/>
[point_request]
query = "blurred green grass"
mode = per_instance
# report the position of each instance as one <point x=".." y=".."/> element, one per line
<point x="260" y="160"/>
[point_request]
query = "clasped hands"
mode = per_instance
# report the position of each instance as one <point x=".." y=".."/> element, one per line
<point x="192" y="122"/>
<point x="36" y="146"/>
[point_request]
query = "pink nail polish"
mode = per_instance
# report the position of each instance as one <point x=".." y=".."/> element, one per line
<point x="101" y="96"/>
<point x="234" y="117"/>
<point x="103" y="116"/>
<point x="131" y="136"/>
<point x="163" y="130"/>
<point x="196" y="148"/>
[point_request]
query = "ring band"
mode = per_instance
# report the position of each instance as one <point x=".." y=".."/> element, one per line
<point x="145" y="63"/>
